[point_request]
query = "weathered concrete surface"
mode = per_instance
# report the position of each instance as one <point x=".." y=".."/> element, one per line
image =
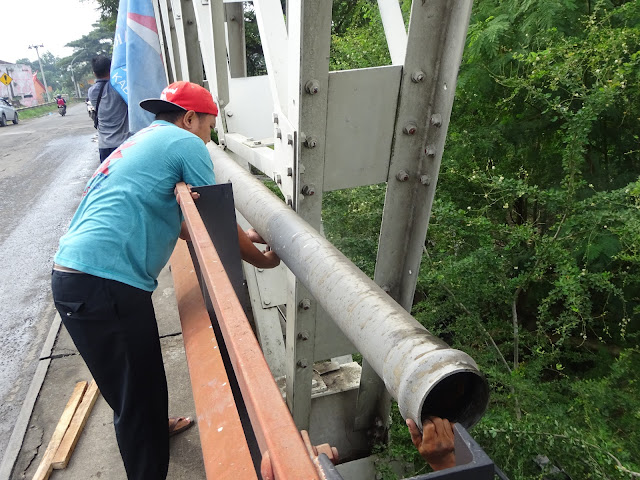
<point x="44" y="165"/>
<point x="96" y="455"/>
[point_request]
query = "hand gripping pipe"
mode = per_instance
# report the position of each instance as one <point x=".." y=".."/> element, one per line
<point x="421" y="372"/>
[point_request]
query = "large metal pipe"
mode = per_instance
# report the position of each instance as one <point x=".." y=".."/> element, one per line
<point x="421" y="372"/>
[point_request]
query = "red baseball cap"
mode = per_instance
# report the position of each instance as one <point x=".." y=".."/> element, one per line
<point x="182" y="96"/>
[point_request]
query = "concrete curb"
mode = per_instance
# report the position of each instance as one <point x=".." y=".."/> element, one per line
<point x="22" y="423"/>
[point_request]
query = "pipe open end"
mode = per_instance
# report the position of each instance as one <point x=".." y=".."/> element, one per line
<point x="461" y="397"/>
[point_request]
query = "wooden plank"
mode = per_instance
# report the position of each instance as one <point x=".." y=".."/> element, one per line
<point x="45" y="468"/>
<point x="70" y="439"/>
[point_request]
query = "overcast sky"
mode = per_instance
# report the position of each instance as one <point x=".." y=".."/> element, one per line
<point x="52" y="23"/>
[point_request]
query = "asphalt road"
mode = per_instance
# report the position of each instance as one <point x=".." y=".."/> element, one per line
<point x="44" y="166"/>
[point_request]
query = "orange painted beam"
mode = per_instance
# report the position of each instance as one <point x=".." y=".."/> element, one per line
<point x="270" y="418"/>
<point x="224" y="446"/>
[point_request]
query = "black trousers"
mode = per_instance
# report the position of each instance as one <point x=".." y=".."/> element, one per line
<point x="114" y="328"/>
<point x="105" y="152"/>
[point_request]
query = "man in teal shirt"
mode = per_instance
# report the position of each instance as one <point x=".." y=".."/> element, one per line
<point x="107" y="265"/>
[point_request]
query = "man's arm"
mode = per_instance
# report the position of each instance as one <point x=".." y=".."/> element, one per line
<point x="92" y="94"/>
<point x="436" y="443"/>
<point x="249" y="252"/>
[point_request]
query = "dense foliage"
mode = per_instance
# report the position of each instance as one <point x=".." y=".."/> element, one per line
<point x="108" y="12"/>
<point x="531" y="261"/>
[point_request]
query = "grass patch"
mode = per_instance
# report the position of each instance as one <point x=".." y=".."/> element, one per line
<point x="41" y="111"/>
<point x="36" y="112"/>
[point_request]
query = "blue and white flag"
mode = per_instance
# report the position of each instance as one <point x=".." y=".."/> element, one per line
<point x="137" y="67"/>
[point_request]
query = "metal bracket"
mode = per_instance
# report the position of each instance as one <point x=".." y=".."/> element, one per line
<point x="472" y="462"/>
<point x="286" y="154"/>
<point x="251" y="142"/>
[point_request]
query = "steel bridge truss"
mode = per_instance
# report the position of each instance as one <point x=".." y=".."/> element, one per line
<point x="312" y="130"/>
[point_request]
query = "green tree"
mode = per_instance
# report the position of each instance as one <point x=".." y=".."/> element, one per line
<point x="531" y="261"/>
<point x="533" y="240"/>
<point x="357" y="37"/>
<point x="98" y="41"/>
<point x="108" y="13"/>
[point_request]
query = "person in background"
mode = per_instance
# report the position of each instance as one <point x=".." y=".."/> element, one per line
<point x="61" y="102"/>
<point x="111" y="111"/>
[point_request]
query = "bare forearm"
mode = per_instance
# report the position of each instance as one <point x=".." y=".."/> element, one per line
<point x="252" y="255"/>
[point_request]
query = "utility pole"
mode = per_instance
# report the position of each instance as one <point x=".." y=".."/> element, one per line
<point x="73" y="78"/>
<point x="44" y="79"/>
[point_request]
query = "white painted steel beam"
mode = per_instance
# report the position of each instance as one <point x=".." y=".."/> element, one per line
<point x="220" y="80"/>
<point x="419" y="370"/>
<point x="250" y="110"/>
<point x="260" y="157"/>
<point x="426" y="99"/>
<point x="234" y="13"/>
<point x="192" y="43"/>
<point x="425" y="102"/>
<point x="173" y="65"/>
<point x="332" y="131"/>
<point x="202" y="12"/>
<point x="361" y="115"/>
<point x="273" y="34"/>
<point x="179" y="38"/>
<point x="285" y="157"/>
<point x="265" y="313"/>
<point x="309" y="40"/>
<point x="210" y="23"/>
<point x="330" y="342"/>
<point x="163" y="43"/>
<point x="394" y="29"/>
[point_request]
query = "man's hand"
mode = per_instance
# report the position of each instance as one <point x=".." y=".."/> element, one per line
<point x="436" y="443"/>
<point x="249" y="252"/>
<point x="255" y="236"/>
<point x="184" y="232"/>
<point x="272" y="260"/>
<point x="194" y="195"/>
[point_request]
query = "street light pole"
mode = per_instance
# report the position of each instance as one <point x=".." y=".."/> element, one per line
<point x="44" y="79"/>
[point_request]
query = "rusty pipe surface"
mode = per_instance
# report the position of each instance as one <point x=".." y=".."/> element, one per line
<point x="421" y="372"/>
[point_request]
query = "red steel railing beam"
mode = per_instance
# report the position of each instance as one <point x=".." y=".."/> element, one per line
<point x="272" y="423"/>
<point x="224" y="446"/>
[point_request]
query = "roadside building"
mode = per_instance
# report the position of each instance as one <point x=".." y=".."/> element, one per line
<point x="40" y="90"/>
<point x="21" y="91"/>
